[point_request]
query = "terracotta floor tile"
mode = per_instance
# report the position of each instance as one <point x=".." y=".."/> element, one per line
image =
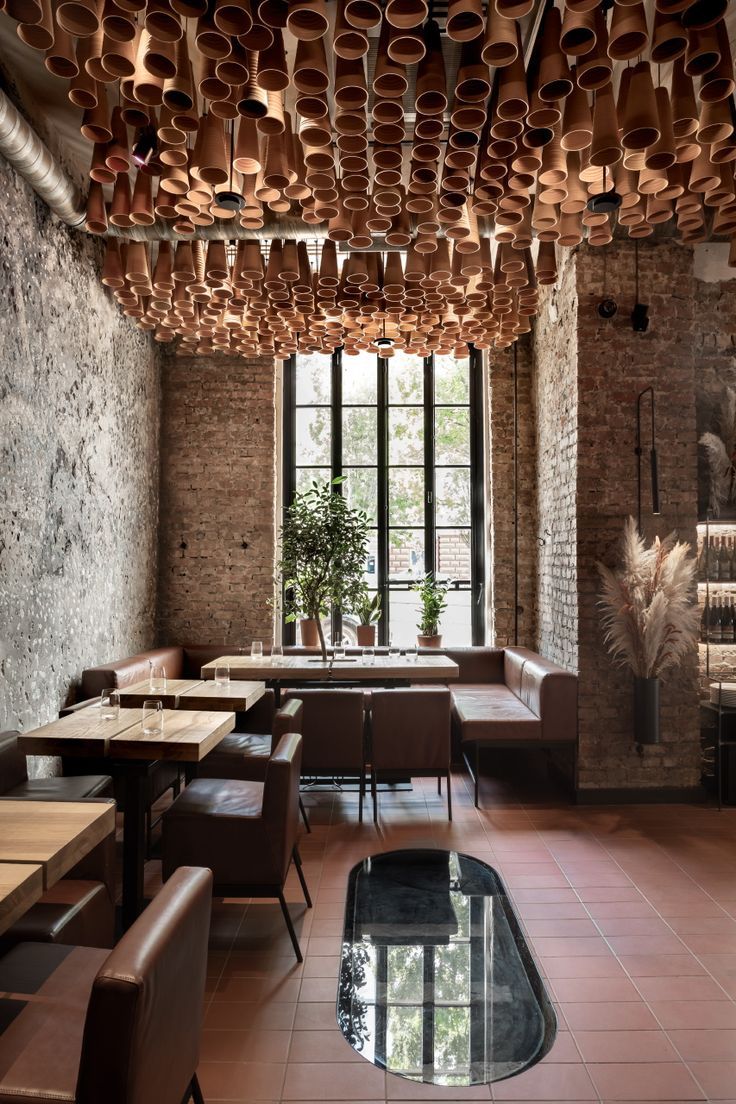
<point x="230" y="1015"/>
<point x="258" y="990"/>
<point x="583" y="990"/>
<point x="645" y="1081"/>
<point x="547" y="1081"/>
<point x="582" y="967"/>
<point x="241" y="1081"/>
<point x="400" y="1088"/>
<point x="318" y="989"/>
<point x="679" y="989"/>
<point x="633" y="925"/>
<point x="334" y="1081"/>
<point x="718" y="1079"/>
<point x="662" y="965"/>
<point x="245" y="1046"/>
<point x="322" y="1046"/>
<point x="609" y="1017"/>
<point x="567" y="929"/>
<point x="625" y="1046"/>
<point x="705" y="1045"/>
<point x="694" y="1013"/>
<point x="554" y="947"/>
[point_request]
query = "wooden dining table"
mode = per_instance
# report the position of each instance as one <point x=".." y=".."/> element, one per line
<point x="21" y="885"/>
<point x="238" y="696"/>
<point x="120" y="748"/>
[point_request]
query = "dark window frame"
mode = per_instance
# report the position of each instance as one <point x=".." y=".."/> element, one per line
<point x="476" y="465"/>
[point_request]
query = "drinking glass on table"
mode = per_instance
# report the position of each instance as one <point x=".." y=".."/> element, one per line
<point x="222" y="675"/>
<point x="339" y="648"/>
<point x="393" y="649"/>
<point x="109" y="705"/>
<point x="369" y="656"/>
<point x="256" y="649"/>
<point x="277" y="651"/>
<point x="157" y="679"/>
<point x="152" y="717"/>
<point x="411" y="653"/>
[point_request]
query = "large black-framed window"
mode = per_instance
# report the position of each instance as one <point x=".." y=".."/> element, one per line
<point x="406" y="434"/>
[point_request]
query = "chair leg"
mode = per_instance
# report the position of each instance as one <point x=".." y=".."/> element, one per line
<point x="305" y="818"/>
<point x="300" y="875"/>
<point x="290" y="926"/>
<point x="449" y="796"/>
<point x="477" y="772"/>
<point x="195" y="1093"/>
<point x="374" y="795"/>
<point x="439" y="784"/>
<point x="361" y="793"/>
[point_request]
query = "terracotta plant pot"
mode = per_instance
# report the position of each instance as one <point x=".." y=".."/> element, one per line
<point x="309" y="632"/>
<point x="429" y="641"/>
<point x="366" y="635"/>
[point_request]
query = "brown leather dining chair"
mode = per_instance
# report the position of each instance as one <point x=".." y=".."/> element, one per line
<point x="333" y="732"/>
<point x="410" y="733"/>
<point x="120" y="1027"/>
<point x="245" y="832"/>
<point x="245" y="755"/>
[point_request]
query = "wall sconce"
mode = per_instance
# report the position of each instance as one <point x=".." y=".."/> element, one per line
<point x="654" y="472"/>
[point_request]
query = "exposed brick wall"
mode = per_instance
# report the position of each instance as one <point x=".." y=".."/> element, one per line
<point x="218" y="491"/>
<point x="501" y="509"/>
<point x="555" y="394"/>
<point x="79" y="412"/>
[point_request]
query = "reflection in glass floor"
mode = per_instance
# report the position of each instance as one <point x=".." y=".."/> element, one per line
<point x="437" y="983"/>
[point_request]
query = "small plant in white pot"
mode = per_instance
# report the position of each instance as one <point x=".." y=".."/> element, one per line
<point x="433" y="597"/>
<point x="368" y="611"/>
<point x="650" y="619"/>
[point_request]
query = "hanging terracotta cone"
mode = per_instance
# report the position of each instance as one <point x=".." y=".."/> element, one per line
<point x="247" y="159"/>
<point x="578" y="32"/>
<point x="274" y="121"/>
<point x="464" y="20"/>
<point x="39" y="35"/>
<point x="119" y="214"/>
<point x="348" y="41"/>
<point x="210" y="40"/>
<point x="605" y="147"/>
<point x="307" y="19"/>
<point x="96" y="120"/>
<point x="703" y="13"/>
<point x="595" y="68"/>
<point x="118" y="58"/>
<point x="141" y="204"/>
<point x="431" y="82"/>
<point x="80" y="18"/>
<point x="703" y="52"/>
<point x="513" y="98"/>
<point x="684" y="110"/>
<point x="161" y="22"/>
<point x="350" y="91"/>
<point x="500" y="41"/>
<point x="253" y="103"/>
<point x="628" y="36"/>
<point x="233" y="17"/>
<point x="661" y="155"/>
<point x="213" y="166"/>
<point x="716" y="123"/>
<point x="96" y="217"/>
<point x="310" y="73"/>
<point x="406" y="47"/>
<point x="60" y="57"/>
<point x="406" y="13"/>
<point x="554" y="72"/>
<point x="22" y="11"/>
<point x="146" y="88"/>
<point x="718" y="84"/>
<point x="473" y="79"/>
<point x="669" y="38"/>
<point x="273" y="73"/>
<point x="390" y="80"/>
<point x="577" y="120"/>
<point x="233" y="69"/>
<point x="640" y="125"/>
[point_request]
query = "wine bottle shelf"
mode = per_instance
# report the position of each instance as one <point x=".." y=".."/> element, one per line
<point x="719" y="644"/>
<point x="717" y="583"/>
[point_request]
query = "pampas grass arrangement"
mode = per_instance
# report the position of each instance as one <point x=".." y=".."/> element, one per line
<point x="721" y="452"/>
<point x="650" y="620"/>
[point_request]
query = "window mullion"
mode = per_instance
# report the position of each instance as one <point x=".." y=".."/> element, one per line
<point x="382" y="503"/>
<point x="336" y="458"/>
<point x="429" y="476"/>
<point x="288" y="631"/>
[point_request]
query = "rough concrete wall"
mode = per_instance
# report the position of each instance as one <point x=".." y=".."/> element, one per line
<point x="555" y="398"/>
<point x="501" y="506"/>
<point x="218" y="494"/>
<point x="79" y="411"/>
<point x="614" y="365"/>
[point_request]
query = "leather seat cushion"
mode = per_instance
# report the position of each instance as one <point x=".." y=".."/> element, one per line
<point x="73" y="911"/>
<point x="217" y="797"/>
<point x="493" y="713"/>
<point x="67" y="788"/>
<point x="243" y="756"/>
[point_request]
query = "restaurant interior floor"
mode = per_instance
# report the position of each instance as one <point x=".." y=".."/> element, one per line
<point x="630" y="911"/>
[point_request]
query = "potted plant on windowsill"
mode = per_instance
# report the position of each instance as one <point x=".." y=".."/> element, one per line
<point x="432" y="595"/>
<point x="368" y="612"/>
<point x="324" y="544"/>
<point x="650" y="619"/>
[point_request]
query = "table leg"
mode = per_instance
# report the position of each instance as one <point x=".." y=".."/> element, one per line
<point x="134" y="843"/>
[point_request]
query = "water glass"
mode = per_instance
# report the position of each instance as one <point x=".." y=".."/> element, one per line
<point x="256" y="649"/>
<point x="339" y="648"/>
<point x="157" y="680"/>
<point x="222" y="675"/>
<point x="393" y="649"/>
<point x="109" y="705"/>
<point x="369" y="656"/>
<point x="411" y="653"/>
<point x="276" y="651"/>
<point x="153" y="717"/>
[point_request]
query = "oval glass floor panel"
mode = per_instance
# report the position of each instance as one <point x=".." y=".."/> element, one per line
<point x="437" y="983"/>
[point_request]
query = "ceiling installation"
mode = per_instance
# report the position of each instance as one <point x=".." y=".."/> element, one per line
<point x="414" y="166"/>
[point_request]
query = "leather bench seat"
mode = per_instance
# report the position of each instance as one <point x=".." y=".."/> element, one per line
<point x="493" y="713"/>
<point x="72" y="911"/>
<point x="66" y="788"/>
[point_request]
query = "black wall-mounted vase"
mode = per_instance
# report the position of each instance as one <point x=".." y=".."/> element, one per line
<point x="646" y="710"/>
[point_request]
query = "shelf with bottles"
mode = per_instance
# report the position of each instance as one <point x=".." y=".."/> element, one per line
<point x="718" y="623"/>
<point x="716" y="558"/>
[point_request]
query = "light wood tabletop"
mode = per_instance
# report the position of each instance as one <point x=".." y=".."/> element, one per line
<point x="82" y="733"/>
<point x="437" y="668"/>
<point x="188" y="735"/>
<point x="139" y="692"/>
<point x="21" y="885"/>
<point x="237" y="695"/>
<point x="54" y="834"/>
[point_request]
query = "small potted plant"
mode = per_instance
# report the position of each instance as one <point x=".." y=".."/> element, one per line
<point x="368" y="612"/>
<point x="432" y="595"/>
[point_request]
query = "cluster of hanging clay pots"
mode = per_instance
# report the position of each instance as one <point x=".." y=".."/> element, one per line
<point x="236" y="111"/>
<point x="250" y="301"/>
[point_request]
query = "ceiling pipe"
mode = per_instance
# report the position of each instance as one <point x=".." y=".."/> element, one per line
<point x="30" y="157"/>
<point x="281" y="226"/>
